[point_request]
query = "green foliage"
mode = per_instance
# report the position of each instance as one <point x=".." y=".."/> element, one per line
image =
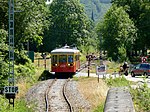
<point x="20" y="106"/>
<point x="3" y="63"/>
<point x="3" y="45"/>
<point x="112" y="67"/>
<point x="144" y="24"/>
<point x="3" y="73"/>
<point x="69" y="24"/>
<point x="118" y="32"/>
<point x="139" y="12"/>
<point x="90" y="45"/>
<point x="21" y="57"/>
<point x="26" y="70"/>
<point x="31" y="22"/>
<point x="141" y="98"/>
<point x="4" y="14"/>
<point x="100" y="108"/>
<point x="122" y="54"/>
<point x="117" y="82"/>
<point x="23" y="67"/>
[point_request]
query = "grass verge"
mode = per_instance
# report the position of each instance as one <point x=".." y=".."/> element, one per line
<point x="93" y="91"/>
<point x="24" y="83"/>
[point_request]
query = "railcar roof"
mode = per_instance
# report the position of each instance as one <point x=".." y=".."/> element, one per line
<point x="64" y="50"/>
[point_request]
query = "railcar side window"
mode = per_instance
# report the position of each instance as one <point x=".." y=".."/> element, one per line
<point x="62" y="58"/>
<point x="77" y="57"/>
<point x="54" y="59"/>
<point x="70" y="58"/>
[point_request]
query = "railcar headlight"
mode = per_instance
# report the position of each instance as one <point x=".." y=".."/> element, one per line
<point x="70" y="64"/>
<point x="55" y="64"/>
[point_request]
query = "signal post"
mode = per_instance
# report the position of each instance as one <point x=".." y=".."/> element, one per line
<point x="89" y="58"/>
<point x="11" y="90"/>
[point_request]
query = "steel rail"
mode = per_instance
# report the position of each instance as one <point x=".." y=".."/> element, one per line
<point x="65" y="97"/>
<point x="46" y="95"/>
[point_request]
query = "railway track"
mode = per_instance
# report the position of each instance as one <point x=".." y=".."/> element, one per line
<point x="56" y="98"/>
<point x="83" y="66"/>
<point x="46" y="95"/>
<point x="52" y="96"/>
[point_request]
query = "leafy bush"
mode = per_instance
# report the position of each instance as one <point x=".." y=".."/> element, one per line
<point x="141" y="98"/>
<point x="117" y="82"/>
<point x="20" y="106"/>
<point x="135" y="60"/>
<point x="23" y="68"/>
<point x="122" y="54"/>
<point x="3" y="73"/>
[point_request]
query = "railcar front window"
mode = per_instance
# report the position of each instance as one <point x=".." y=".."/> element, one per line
<point x="70" y="58"/>
<point x="62" y="58"/>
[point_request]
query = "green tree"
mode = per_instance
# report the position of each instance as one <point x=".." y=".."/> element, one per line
<point x="144" y="24"/>
<point x="3" y="59"/>
<point x="21" y="25"/>
<point x="31" y="21"/>
<point x="139" y="12"/>
<point x="4" y="14"/>
<point x="69" y="24"/>
<point x="118" y="32"/>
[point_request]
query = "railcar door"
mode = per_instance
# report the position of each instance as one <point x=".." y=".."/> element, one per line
<point x="54" y="63"/>
<point x="71" y="62"/>
<point x="77" y="61"/>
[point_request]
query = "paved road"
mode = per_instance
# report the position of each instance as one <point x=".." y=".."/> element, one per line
<point x="138" y="79"/>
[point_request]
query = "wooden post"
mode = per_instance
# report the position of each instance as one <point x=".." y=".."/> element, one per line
<point x="89" y="67"/>
<point x="45" y="62"/>
<point x="38" y="62"/>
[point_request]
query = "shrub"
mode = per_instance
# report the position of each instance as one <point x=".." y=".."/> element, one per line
<point x="3" y="73"/>
<point x="117" y="82"/>
<point x="20" y="106"/>
<point x="141" y="98"/>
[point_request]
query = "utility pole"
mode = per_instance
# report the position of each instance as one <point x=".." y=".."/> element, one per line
<point x="11" y="90"/>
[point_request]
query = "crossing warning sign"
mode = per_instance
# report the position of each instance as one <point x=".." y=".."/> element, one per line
<point x="100" y="70"/>
<point x="144" y="59"/>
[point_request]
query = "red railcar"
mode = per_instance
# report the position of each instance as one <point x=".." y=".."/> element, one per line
<point x="65" y="60"/>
